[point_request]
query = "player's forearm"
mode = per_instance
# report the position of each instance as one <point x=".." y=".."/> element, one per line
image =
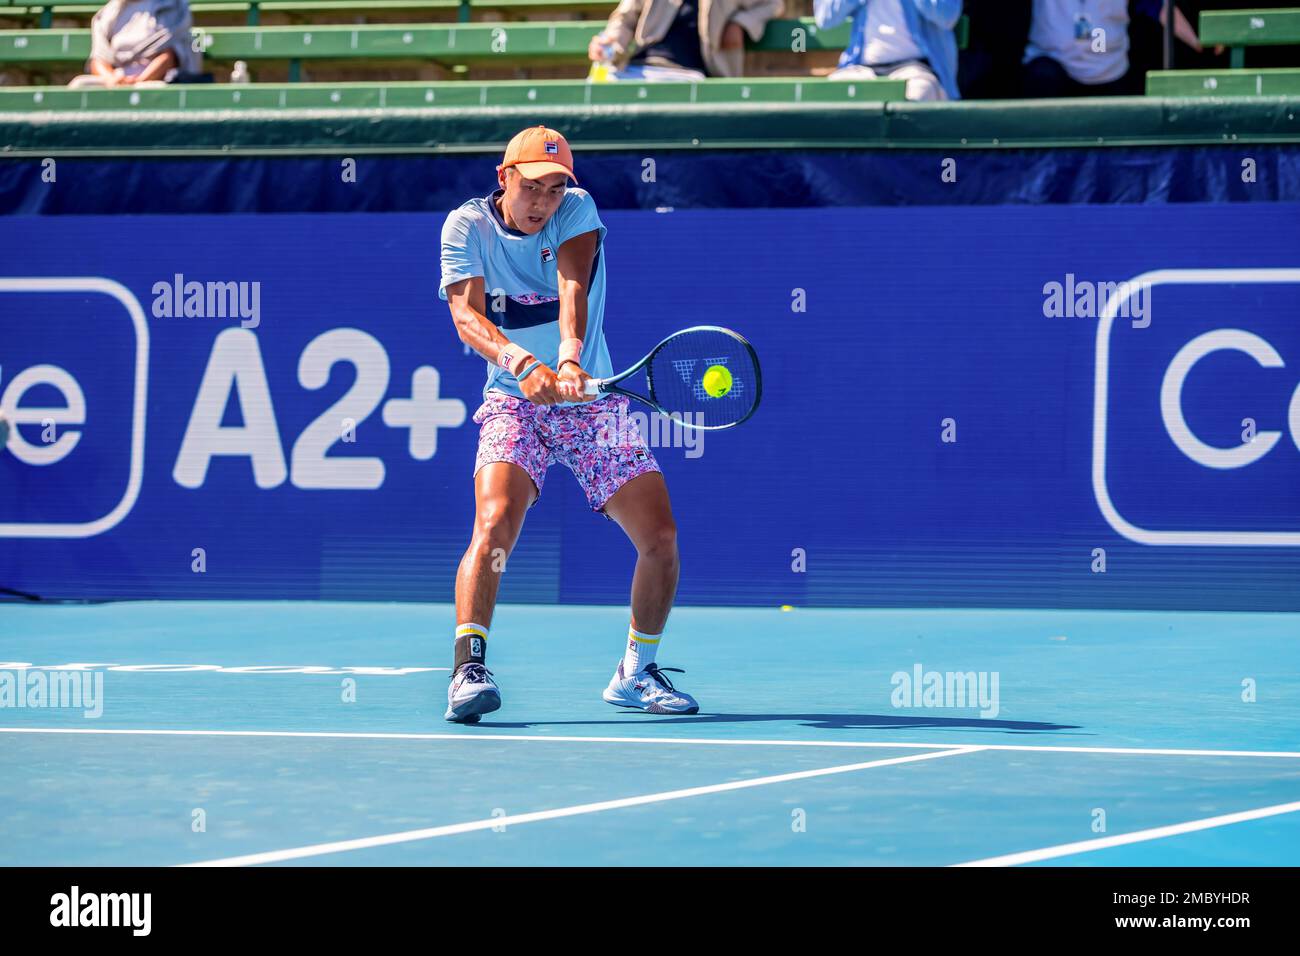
<point x="573" y="322"/>
<point x="480" y="334"/>
<point x="573" y="309"/>
<point x="476" y="331"/>
<point x="574" y="268"/>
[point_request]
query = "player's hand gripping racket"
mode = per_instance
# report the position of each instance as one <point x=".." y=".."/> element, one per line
<point x="707" y="375"/>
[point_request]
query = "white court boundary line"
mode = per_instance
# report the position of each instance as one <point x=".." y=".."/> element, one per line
<point x="429" y="833"/>
<point x="698" y="741"/>
<point x="1138" y="836"/>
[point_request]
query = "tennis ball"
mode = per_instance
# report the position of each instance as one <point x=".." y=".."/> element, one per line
<point x="717" y="380"/>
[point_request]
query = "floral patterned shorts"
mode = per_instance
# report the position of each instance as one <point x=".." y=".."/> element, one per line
<point x="597" y="441"/>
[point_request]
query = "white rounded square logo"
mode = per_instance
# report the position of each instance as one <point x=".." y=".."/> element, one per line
<point x="1169" y="402"/>
<point x="20" y="380"/>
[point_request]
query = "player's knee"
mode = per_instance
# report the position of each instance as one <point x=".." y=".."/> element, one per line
<point x="661" y="541"/>
<point x="497" y="526"/>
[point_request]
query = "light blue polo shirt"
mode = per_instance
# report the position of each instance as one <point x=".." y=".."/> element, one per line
<point x="520" y="281"/>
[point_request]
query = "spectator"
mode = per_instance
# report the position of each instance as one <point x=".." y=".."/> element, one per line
<point x="908" y="40"/>
<point x="688" y="41"/>
<point x="1079" y="48"/>
<point x="137" y="43"/>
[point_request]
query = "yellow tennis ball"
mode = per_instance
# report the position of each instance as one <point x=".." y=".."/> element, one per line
<point x="717" y="380"/>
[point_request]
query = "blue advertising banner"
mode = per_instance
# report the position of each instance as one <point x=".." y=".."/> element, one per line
<point x="1023" y="406"/>
<point x="696" y="179"/>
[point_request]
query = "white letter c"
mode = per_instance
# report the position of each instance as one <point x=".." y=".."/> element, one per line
<point x="1171" y="392"/>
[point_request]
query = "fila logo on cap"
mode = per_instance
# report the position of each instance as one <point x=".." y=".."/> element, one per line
<point x="547" y="254"/>
<point x="552" y="146"/>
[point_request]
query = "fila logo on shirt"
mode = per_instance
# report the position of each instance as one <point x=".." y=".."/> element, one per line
<point x="552" y="146"/>
<point x="547" y="254"/>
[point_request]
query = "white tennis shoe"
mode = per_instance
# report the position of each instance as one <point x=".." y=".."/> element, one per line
<point x="649" y="690"/>
<point x="472" y="694"/>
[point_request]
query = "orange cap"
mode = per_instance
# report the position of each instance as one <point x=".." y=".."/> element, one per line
<point x="537" y="151"/>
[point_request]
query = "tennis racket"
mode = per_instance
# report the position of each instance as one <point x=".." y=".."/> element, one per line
<point x="675" y="373"/>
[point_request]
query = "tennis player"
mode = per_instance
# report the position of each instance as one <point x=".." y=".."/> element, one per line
<point x="534" y="247"/>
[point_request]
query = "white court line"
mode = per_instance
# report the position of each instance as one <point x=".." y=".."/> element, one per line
<point x="1140" y="836"/>
<point x="703" y="741"/>
<point x="410" y="836"/>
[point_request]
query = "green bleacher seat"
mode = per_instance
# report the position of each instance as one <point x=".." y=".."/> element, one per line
<point x="44" y="12"/>
<point x="448" y="94"/>
<point x="1238" y="29"/>
<point x="446" y="43"/>
<point x="781" y="36"/>
<point x="1275" y="82"/>
<point x="450" y="44"/>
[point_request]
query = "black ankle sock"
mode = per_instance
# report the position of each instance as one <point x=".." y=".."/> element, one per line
<point x="470" y="649"/>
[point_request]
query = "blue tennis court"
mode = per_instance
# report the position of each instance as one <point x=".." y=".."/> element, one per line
<point x="312" y="733"/>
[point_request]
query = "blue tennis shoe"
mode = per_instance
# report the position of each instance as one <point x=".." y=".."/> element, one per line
<point x="649" y="690"/>
<point x="472" y="694"/>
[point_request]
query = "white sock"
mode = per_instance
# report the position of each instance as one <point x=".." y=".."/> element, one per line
<point x="640" y="651"/>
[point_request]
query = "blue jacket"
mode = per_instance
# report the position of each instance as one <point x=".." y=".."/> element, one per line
<point x="930" y="22"/>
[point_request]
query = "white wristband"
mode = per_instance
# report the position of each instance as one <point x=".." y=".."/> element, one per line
<point x="570" y="351"/>
<point x="513" y="358"/>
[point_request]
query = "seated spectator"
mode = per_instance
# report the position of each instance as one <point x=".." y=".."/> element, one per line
<point x="139" y="43"/>
<point x="908" y="40"/>
<point x="688" y="41"/>
<point x="1079" y="48"/>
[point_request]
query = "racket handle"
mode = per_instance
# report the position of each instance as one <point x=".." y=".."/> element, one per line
<point x="593" y="386"/>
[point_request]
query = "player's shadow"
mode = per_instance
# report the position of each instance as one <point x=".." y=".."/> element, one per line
<point x="815" y="721"/>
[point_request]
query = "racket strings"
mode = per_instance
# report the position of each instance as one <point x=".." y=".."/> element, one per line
<point x="676" y="375"/>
